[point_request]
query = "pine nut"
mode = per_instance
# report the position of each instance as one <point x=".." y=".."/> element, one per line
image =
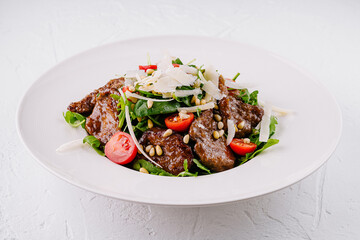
<point x="197" y="102"/>
<point x="158" y="150"/>
<point x="131" y="89"/>
<point x="148" y="148"/>
<point x="246" y="140"/>
<point x="216" y="134"/>
<point x="186" y="139"/>
<point x="216" y="106"/>
<point x="202" y="102"/>
<point x="139" y="119"/>
<point x="241" y="125"/>
<point x="132" y="99"/>
<point x="150" y="123"/>
<point x="150" y="103"/>
<point x="143" y="170"/>
<point x="217" y="117"/>
<point x="236" y="129"/>
<point x="221" y="133"/>
<point x="132" y="106"/>
<point x="167" y="133"/>
<point x="142" y="148"/>
<point x="220" y="125"/>
<point x="152" y="152"/>
<point x="193" y="99"/>
<point x="150" y="71"/>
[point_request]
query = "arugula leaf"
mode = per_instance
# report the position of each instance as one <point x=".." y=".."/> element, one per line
<point x="268" y="144"/>
<point x="147" y="94"/>
<point x="202" y="167"/>
<point x="185" y="100"/>
<point x="94" y="143"/>
<point x="247" y="97"/>
<point x="186" y="173"/>
<point x="273" y="122"/>
<point x="74" y="119"/>
<point x="141" y="109"/>
<point x="198" y="112"/>
<point x="152" y="169"/>
<point x="236" y="76"/>
<point x="177" y="61"/>
<point x="155" y="120"/>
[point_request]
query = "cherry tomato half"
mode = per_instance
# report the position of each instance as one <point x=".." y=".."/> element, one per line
<point x="147" y="67"/>
<point x="175" y="123"/>
<point x="242" y="148"/>
<point x="176" y="65"/>
<point x="121" y="148"/>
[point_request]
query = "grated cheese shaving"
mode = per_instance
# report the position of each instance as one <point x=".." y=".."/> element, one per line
<point x="231" y="131"/>
<point x="206" y="106"/>
<point x="265" y="123"/>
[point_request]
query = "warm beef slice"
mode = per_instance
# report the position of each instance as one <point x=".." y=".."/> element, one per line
<point x="175" y="151"/>
<point x="233" y="108"/>
<point x="213" y="153"/>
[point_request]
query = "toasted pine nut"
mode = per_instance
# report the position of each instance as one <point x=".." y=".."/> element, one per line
<point x="217" y="117"/>
<point x="167" y="133"/>
<point x="132" y="106"/>
<point x="216" y="134"/>
<point x="216" y="106"/>
<point x="236" y="129"/>
<point x="150" y="123"/>
<point x="186" y="139"/>
<point x="241" y="125"/>
<point x="221" y="132"/>
<point x="149" y="103"/>
<point x="197" y="102"/>
<point x="142" y="148"/>
<point x="148" y="148"/>
<point x="158" y="150"/>
<point x="202" y="102"/>
<point x="152" y="152"/>
<point x="139" y="119"/>
<point x="193" y="99"/>
<point x="246" y="140"/>
<point x="143" y="170"/>
<point x="149" y="71"/>
<point x="220" y="125"/>
<point x="132" y="99"/>
<point x="131" y="89"/>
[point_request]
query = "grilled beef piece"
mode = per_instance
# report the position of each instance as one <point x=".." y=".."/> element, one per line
<point x="103" y="121"/>
<point x="175" y="151"/>
<point x="86" y="105"/>
<point x="231" y="107"/>
<point x="213" y="153"/>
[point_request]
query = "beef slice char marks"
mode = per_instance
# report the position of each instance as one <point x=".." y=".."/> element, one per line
<point x="213" y="153"/>
<point x="175" y="151"/>
<point x="233" y="108"/>
<point x="86" y="105"/>
<point x="103" y="121"/>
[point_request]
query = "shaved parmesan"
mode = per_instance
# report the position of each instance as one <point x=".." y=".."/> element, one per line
<point x="206" y="106"/>
<point x="231" y="131"/>
<point x="211" y="75"/>
<point x="134" y="95"/>
<point x="165" y="62"/>
<point x="278" y="110"/>
<point x="211" y="89"/>
<point x="232" y="84"/>
<point x="188" y="69"/>
<point x="181" y="76"/>
<point x="130" y="127"/>
<point x="265" y="123"/>
<point x="70" y="145"/>
<point x="184" y="93"/>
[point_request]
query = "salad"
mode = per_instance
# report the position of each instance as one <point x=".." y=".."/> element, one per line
<point x="174" y="119"/>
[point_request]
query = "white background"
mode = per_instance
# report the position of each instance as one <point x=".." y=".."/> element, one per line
<point x="323" y="37"/>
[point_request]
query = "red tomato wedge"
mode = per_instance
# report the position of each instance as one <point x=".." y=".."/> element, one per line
<point x="175" y="123"/>
<point x="242" y="148"/>
<point x="146" y="67"/>
<point x="121" y="148"/>
<point x="176" y="65"/>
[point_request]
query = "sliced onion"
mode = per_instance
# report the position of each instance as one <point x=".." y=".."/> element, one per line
<point x="184" y="93"/>
<point x="265" y="123"/>
<point x="231" y="131"/>
<point x="130" y="127"/>
<point x="134" y="95"/>
<point x="70" y="145"/>
<point x="206" y="106"/>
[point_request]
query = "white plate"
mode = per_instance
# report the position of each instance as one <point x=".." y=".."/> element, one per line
<point x="307" y="138"/>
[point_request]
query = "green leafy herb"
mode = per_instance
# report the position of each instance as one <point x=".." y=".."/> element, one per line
<point x="147" y="94"/>
<point x="191" y="62"/>
<point x="152" y="169"/>
<point x="141" y="109"/>
<point x="177" y="61"/>
<point x="74" y="119"/>
<point x="250" y="98"/>
<point x="202" y="167"/>
<point x="94" y="143"/>
<point x="198" y="112"/>
<point x="268" y="144"/>
<point x="156" y="121"/>
<point x="236" y="76"/>
<point x="186" y="172"/>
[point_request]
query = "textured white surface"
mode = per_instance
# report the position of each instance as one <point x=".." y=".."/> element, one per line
<point x="322" y="37"/>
